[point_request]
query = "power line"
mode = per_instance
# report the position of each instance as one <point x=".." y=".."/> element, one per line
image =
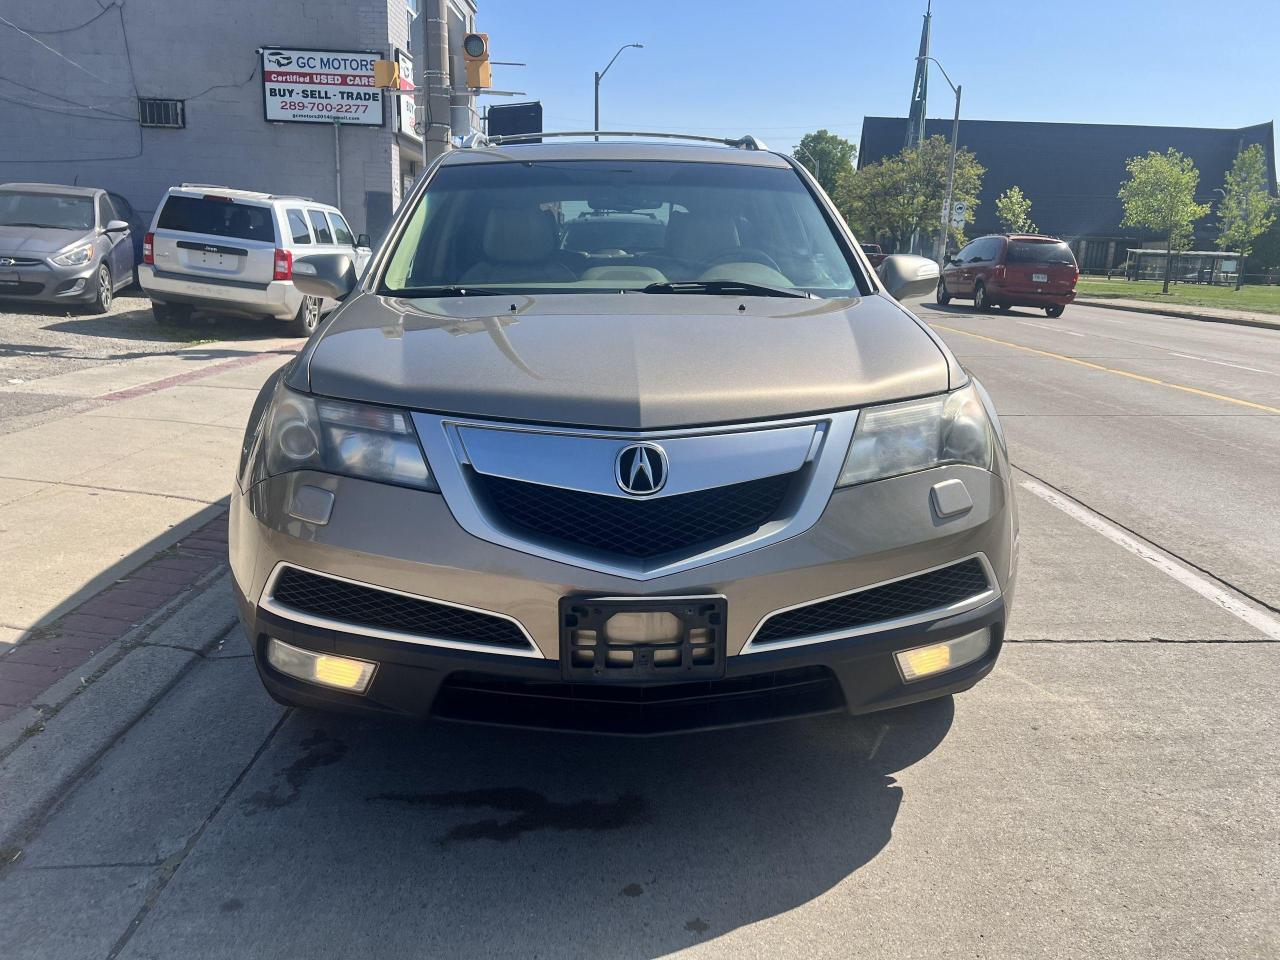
<point x="79" y="26"/>
<point x="77" y="103"/>
<point x="62" y="56"/>
<point x="49" y="108"/>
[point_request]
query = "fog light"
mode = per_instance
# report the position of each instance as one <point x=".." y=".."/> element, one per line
<point x="920" y="662"/>
<point x="325" y="669"/>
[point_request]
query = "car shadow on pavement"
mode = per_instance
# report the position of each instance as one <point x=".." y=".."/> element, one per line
<point x="459" y="841"/>
<point x="140" y="324"/>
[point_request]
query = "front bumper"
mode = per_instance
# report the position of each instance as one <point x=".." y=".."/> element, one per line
<point x="45" y="282"/>
<point x="408" y="541"/>
<point x="279" y="299"/>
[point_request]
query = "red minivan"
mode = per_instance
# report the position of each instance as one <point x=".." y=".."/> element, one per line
<point x="1012" y="270"/>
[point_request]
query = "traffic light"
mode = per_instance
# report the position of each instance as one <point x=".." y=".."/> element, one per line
<point x="475" y="51"/>
<point x="386" y="74"/>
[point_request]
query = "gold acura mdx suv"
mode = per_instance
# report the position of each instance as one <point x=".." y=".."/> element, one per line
<point x="622" y="436"/>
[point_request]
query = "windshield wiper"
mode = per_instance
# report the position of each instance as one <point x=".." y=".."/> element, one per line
<point x="456" y="290"/>
<point x="724" y="286"/>
<point x="43" y="226"/>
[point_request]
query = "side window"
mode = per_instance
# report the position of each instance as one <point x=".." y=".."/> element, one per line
<point x="321" y="226"/>
<point x="965" y="252"/>
<point x="298" y="227"/>
<point x="121" y="206"/>
<point x="105" y="213"/>
<point x="982" y="251"/>
<point x="341" y="230"/>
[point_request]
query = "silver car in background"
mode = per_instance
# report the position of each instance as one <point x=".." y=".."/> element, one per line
<point x="61" y="244"/>
<point x="701" y="470"/>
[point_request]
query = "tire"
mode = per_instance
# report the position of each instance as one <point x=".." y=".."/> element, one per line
<point x="1055" y="310"/>
<point x="105" y="293"/>
<point x="980" y="301"/>
<point x="942" y="295"/>
<point x="307" y="318"/>
<point x="171" y="312"/>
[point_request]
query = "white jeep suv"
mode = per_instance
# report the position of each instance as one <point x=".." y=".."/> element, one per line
<point x="231" y="251"/>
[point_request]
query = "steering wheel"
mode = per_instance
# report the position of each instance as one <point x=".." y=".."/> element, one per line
<point x="745" y="255"/>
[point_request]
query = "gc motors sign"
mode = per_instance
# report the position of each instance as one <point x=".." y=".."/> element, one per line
<point x="320" y="86"/>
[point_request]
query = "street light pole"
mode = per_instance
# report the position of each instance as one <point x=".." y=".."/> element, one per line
<point x="600" y="76"/>
<point x="940" y="248"/>
<point x="817" y="165"/>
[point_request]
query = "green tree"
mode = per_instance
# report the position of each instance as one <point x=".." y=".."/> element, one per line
<point x="898" y="196"/>
<point x="826" y="156"/>
<point x="1160" y="195"/>
<point x="1247" y="209"/>
<point x="1013" y="210"/>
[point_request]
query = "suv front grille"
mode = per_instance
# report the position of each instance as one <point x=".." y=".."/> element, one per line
<point x="352" y="603"/>
<point x="633" y="527"/>
<point x="902" y="598"/>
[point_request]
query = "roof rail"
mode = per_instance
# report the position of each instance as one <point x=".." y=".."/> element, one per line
<point x="746" y="142"/>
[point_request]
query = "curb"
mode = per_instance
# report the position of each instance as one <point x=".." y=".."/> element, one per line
<point x="1120" y="304"/>
<point x="46" y="748"/>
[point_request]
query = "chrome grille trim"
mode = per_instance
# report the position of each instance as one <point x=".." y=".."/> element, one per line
<point x="963" y="606"/>
<point x="271" y="605"/>
<point x="823" y="459"/>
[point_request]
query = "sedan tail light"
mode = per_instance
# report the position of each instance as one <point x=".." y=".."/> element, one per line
<point x="284" y="265"/>
<point x="148" y="249"/>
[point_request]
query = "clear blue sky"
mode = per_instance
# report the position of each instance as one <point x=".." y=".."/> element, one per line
<point x="726" y="67"/>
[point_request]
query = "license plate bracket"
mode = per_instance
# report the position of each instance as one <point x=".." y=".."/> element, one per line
<point x="591" y="652"/>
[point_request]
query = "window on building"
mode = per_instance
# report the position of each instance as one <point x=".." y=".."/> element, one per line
<point x="162" y="113"/>
<point x="298" y="227"/>
<point x="341" y="230"/>
<point x="321" y="227"/>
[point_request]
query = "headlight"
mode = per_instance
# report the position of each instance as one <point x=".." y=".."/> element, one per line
<point x="75" y="256"/>
<point x="904" y="437"/>
<point x="334" y="436"/>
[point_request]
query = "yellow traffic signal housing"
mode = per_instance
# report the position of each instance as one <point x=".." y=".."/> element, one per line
<point x="386" y="74"/>
<point x="475" y="51"/>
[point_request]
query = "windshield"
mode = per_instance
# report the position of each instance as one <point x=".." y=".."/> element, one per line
<point x="45" y="210"/>
<point x="1040" y="251"/>
<point x="597" y="225"/>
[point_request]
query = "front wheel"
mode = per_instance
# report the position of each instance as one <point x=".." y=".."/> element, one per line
<point x="1055" y="310"/>
<point x="942" y="294"/>
<point x="101" y="302"/>
<point x="308" y="316"/>
<point x="980" y="301"/>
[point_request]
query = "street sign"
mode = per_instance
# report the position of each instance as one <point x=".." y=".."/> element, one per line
<point x="406" y="107"/>
<point x="958" y="210"/>
<point x="320" y="86"/>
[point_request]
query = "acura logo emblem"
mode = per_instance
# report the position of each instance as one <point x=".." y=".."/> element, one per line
<point x="641" y="469"/>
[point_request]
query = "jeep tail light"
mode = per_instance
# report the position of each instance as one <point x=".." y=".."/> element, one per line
<point x="148" y="249"/>
<point x="284" y="265"/>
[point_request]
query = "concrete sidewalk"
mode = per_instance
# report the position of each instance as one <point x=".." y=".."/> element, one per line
<point x="141" y="460"/>
<point x="1245" y="318"/>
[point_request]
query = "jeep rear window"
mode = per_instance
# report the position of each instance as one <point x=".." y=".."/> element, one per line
<point x="1039" y="251"/>
<point x="218" y="218"/>
<point x="592" y="226"/>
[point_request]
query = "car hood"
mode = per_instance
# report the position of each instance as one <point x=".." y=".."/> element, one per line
<point x="37" y="241"/>
<point x="630" y="362"/>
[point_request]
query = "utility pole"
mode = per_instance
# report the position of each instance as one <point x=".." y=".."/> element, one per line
<point x="436" y="127"/>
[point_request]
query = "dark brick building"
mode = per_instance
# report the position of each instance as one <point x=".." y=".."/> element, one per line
<point x="1072" y="172"/>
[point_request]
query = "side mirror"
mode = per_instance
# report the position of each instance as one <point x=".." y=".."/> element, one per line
<point x="905" y="275"/>
<point x="116" y="226"/>
<point x="954" y="261"/>
<point x="328" y="275"/>
<point x="363" y="241"/>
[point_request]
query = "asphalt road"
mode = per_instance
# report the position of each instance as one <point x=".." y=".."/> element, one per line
<point x="1108" y="792"/>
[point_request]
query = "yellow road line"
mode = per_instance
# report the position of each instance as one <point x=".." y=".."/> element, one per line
<point x="1122" y="373"/>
